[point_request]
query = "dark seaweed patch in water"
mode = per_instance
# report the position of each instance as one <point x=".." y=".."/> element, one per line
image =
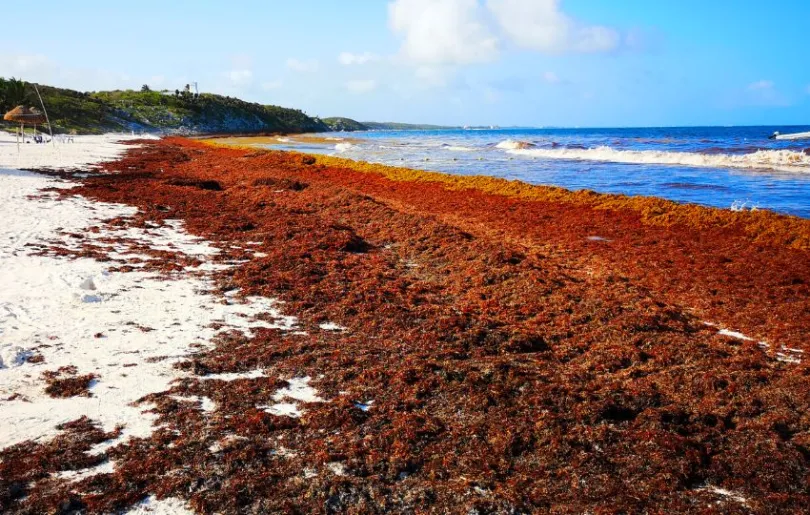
<point x="693" y="186"/>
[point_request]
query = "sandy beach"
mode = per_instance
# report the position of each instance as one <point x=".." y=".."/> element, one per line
<point x="106" y="337"/>
<point x="218" y="329"/>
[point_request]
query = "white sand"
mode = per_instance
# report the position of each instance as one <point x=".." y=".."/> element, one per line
<point x="56" y="306"/>
<point x="83" y="152"/>
<point x="153" y="506"/>
<point x="297" y="389"/>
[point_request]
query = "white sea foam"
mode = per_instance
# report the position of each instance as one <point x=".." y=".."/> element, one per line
<point x="343" y="147"/>
<point x="782" y="160"/>
<point x="511" y="144"/>
<point x="743" y="205"/>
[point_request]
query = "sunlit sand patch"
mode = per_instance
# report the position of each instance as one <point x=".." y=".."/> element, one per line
<point x="725" y="495"/>
<point x="206" y="404"/>
<point x="107" y="467"/>
<point x="330" y="326"/>
<point x="297" y="389"/>
<point x="234" y="376"/>
<point x="154" y="506"/>
<point x="784" y="355"/>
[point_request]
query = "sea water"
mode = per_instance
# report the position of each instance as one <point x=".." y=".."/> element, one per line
<point x="727" y="167"/>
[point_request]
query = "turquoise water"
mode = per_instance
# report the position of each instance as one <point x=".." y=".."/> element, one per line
<point x="727" y="167"/>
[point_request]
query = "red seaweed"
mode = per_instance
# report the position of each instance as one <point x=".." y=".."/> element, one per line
<point x="514" y="363"/>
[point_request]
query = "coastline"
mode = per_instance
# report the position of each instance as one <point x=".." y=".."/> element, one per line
<point x="726" y="176"/>
<point x="647" y="232"/>
<point x="601" y="349"/>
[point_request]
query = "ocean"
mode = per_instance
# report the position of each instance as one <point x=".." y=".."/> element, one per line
<point x="727" y="167"/>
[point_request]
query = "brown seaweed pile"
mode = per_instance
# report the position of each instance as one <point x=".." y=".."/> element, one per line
<point x="66" y="382"/>
<point x="493" y="354"/>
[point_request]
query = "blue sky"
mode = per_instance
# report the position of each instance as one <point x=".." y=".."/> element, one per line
<point x="505" y="62"/>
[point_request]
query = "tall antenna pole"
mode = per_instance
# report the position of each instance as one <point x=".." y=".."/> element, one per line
<point x="50" y="129"/>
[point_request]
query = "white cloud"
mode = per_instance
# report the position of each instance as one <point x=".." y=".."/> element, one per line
<point x="39" y="68"/>
<point x="240" y="77"/>
<point x="29" y="67"/>
<point x="22" y="64"/>
<point x="361" y="86"/>
<point x="551" y="78"/>
<point x="442" y="31"/>
<point x="542" y="26"/>
<point x="271" y="85"/>
<point x="302" y="66"/>
<point x="761" y="85"/>
<point x="348" y="58"/>
<point x="432" y="76"/>
<point x="765" y="93"/>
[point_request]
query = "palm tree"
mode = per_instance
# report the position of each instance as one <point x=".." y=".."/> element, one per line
<point x="12" y="93"/>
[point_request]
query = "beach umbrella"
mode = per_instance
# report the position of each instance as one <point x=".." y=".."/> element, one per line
<point x="25" y="116"/>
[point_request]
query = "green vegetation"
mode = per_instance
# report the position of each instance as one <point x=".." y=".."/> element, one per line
<point x="181" y="112"/>
<point x="344" y="124"/>
<point x="176" y="112"/>
<point x="12" y="93"/>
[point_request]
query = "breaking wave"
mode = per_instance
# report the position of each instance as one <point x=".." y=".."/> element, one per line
<point x="514" y="145"/>
<point x="343" y="147"/>
<point x="743" y="205"/>
<point x="457" y="148"/>
<point x="782" y="160"/>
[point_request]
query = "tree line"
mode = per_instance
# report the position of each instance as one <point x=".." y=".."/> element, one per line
<point x="13" y="92"/>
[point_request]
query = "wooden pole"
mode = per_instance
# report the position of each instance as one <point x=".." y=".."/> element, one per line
<point x="50" y="129"/>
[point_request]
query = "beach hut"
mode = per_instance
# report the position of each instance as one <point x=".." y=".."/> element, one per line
<point x="25" y="116"/>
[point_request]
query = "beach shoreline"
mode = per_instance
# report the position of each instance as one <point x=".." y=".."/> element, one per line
<point x="714" y="167"/>
<point x="460" y="343"/>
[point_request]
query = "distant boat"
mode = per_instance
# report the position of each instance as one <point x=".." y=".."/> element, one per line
<point x="795" y="135"/>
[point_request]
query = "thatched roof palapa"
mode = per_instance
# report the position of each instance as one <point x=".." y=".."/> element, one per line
<point x="26" y="115"/>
